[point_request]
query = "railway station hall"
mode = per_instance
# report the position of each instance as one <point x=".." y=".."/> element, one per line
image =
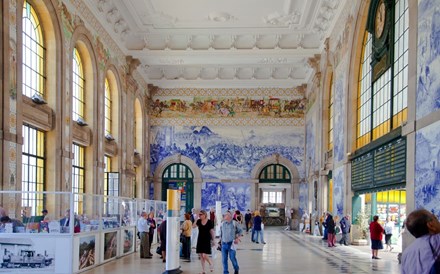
<point x="219" y="136"/>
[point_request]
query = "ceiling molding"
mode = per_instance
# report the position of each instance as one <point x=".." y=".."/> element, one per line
<point x="207" y="43"/>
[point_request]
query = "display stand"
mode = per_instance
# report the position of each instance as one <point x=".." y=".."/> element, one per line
<point x="103" y="230"/>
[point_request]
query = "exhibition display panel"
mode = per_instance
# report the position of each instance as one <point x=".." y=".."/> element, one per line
<point x="59" y="232"/>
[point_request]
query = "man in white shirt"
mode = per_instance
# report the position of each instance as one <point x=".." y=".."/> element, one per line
<point x="423" y="255"/>
<point x="143" y="227"/>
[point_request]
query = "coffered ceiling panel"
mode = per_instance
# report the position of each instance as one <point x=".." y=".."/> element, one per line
<point x="227" y="43"/>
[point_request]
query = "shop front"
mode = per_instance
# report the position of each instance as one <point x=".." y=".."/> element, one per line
<point x="378" y="180"/>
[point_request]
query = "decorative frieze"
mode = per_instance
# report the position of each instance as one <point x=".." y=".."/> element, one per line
<point x="267" y="122"/>
<point x="293" y="92"/>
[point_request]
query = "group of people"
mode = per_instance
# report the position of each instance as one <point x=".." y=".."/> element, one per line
<point x="204" y="222"/>
<point x="333" y="226"/>
<point x="230" y="233"/>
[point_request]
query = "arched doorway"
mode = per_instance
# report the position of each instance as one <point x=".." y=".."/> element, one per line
<point x="274" y="188"/>
<point x="179" y="176"/>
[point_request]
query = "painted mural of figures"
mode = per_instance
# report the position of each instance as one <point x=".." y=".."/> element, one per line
<point x="232" y="195"/>
<point x="213" y="151"/>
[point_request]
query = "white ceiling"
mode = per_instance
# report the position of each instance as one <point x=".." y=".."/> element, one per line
<point x="220" y="43"/>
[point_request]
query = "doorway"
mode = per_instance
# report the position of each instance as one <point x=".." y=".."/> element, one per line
<point x="181" y="178"/>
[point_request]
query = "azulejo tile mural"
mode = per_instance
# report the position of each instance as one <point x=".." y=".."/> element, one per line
<point x="232" y="196"/>
<point x="227" y="151"/>
<point x="428" y="58"/>
<point x="339" y="118"/>
<point x="338" y="191"/>
<point x="310" y="146"/>
<point x="427" y="169"/>
<point x="303" y="198"/>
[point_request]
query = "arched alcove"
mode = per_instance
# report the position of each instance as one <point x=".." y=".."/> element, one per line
<point x="292" y="200"/>
<point x="178" y="159"/>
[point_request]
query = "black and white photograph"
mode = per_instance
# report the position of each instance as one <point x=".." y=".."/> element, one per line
<point x="17" y="254"/>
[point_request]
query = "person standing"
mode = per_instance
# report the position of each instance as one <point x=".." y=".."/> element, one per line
<point x="330" y="225"/>
<point x="163" y="238"/>
<point x="304" y="218"/>
<point x="205" y="239"/>
<point x="195" y="231"/>
<point x="324" y="224"/>
<point x="230" y="233"/>
<point x="151" y="229"/>
<point x="258" y="221"/>
<point x="186" y="231"/>
<point x="423" y="255"/>
<point x="345" y="229"/>
<point x="389" y="226"/>
<point x="212" y="215"/>
<point x="143" y="228"/>
<point x="376" y="231"/>
<point x="247" y="219"/>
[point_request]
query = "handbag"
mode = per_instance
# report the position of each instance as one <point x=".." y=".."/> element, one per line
<point x="159" y="250"/>
<point x="182" y="238"/>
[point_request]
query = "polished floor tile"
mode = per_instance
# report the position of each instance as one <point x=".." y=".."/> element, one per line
<point x="285" y="252"/>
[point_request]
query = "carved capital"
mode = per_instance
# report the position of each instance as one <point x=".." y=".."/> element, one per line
<point x="152" y="89"/>
<point x="302" y="89"/>
<point x="314" y="62"/>
<point x="132" y="64"/>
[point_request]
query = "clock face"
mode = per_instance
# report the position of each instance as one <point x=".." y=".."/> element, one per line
<point x="380" y="20"/>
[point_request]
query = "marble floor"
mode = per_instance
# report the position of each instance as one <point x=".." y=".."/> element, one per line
<point x="284" y="252"/>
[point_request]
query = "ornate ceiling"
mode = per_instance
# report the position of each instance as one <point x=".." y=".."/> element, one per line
<point x="220" y="43"/>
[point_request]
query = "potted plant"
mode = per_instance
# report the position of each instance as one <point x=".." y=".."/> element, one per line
<point x="361" y="226"/>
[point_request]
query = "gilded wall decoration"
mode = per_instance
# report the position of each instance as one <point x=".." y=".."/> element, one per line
<point x="13" y="64"/>
<point x="102" y="53"/>
<point x="67" y="22"/>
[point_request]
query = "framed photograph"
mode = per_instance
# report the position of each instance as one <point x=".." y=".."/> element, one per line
<point x="110" y="245"/>
<point x="127" y="241"/>
<point x="86" y="251"/>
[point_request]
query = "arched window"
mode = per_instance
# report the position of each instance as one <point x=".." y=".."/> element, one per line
<point x="78" y="87"/>
<point x="273" y="174"/>
<point x="33" y="53"/>
<point x="108" y="109"/>
<point x="382" y="102"/>
<point x="181" y="177"/>
<point x="330" y="115"/>
<point x="33" y="156"/>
